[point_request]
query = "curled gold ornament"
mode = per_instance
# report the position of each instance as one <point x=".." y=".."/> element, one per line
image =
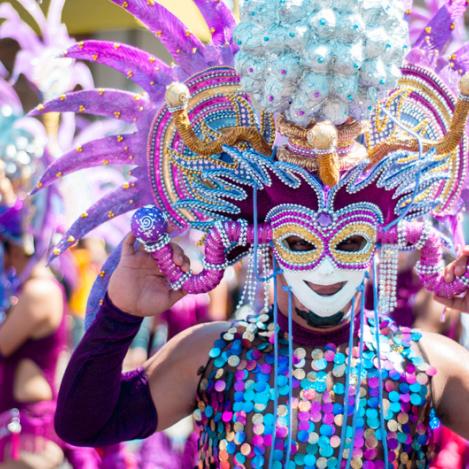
<point x="177" y="95"/>
<point x="323" y="138"/>
<point x="444" y="146"/>
<point x="335" y="148"/>
<point x="178" y="100"/>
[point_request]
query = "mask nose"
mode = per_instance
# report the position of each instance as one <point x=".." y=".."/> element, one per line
<point x="327" y="268"/>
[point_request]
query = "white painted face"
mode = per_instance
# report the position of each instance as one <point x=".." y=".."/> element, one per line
<point x="325" y="290"/>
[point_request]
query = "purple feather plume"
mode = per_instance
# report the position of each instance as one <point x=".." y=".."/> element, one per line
<point x="108" y="103"/>
<point x="219" y="19"/>
<point x="169" y="29"/>
<point x="420" y="17"/>
<point x="15" y="28"/>
<point x="138" y="66"/>
<point x="114" y="150"/>
<point x="440" y="32"/>
<point x="33" y="8"/>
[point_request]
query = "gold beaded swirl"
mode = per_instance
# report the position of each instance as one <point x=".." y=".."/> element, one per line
<point x="229" y="136"/>
<point x="444" y="146"/>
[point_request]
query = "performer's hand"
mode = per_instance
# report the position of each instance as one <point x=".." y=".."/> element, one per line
<point x="453" y="270"/>
<point x="138" y="287"/>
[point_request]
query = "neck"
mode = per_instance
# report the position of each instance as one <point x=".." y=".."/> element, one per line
<point x="307" y="335"/>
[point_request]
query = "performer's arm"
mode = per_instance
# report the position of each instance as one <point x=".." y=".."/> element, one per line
<point x="40" y="307"/>
<point x="451" y="383"/>
<point x="98" y="405"/>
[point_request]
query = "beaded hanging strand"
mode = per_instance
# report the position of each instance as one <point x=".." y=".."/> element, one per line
<point x="360" y="371"/>
<point x="384" y="436"/>
<point x="267" y="278"/>
<point x="347" y="386"/>
<point x="250" y="286"/>
<point x="246" y="295"/>
<point x="389" y="260"/>
<point x="276" y="330"/>
<point x="290" y="374"/>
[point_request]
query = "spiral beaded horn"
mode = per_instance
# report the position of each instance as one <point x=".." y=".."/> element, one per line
<point x="150" y="226"/>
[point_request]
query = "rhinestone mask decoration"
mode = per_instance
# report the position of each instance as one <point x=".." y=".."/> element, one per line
<point x="325" y="263"/>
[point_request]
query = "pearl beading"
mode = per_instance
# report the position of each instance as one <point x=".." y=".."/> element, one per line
<point x="424" y="270"/>
<point x="178" y="284"/>
<point x="160" y="244"/>
<point x="224" y="237"/>
<point x="388" y="267"/>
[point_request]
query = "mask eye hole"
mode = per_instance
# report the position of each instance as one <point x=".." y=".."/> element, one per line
<point x="354" y="243"/>
<point x="297" y="244"/>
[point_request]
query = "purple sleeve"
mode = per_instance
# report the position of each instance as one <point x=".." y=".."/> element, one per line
<point x="98" y="405"/>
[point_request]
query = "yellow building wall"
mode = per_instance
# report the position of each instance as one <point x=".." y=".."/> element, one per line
<point x="89" y="16"/>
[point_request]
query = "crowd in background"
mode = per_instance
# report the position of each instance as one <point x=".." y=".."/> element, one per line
<point x="44" y="304"/>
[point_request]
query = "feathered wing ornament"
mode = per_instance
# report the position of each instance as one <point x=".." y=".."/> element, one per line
<point x="160" y="158"/>
<point x="172" y="166"/>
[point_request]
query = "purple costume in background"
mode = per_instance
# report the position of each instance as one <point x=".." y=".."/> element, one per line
<point x="36" y="419"/>
<point x="191" y="310"/>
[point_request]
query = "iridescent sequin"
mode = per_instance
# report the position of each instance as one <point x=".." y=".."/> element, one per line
<point x="235" y="410"/>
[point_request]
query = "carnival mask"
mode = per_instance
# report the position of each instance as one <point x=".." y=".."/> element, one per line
<point x="324" y="255"/>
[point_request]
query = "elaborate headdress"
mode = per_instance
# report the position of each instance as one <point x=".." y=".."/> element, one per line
<point x="22" y="144"/>
<point x="202" y="156"/>
<point x="24" y="221"/>
<point x="307" y="73"/>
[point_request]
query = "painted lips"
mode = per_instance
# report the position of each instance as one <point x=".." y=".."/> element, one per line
<point x="326" y="290"/>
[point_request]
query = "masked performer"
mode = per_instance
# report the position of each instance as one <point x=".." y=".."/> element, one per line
<point x="368" y="146"/>
<point x="32" y="334"/>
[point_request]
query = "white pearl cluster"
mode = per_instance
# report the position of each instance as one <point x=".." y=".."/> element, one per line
<point x="320" y="59"/>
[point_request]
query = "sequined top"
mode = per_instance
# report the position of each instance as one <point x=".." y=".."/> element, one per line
<point x="235" y="401"/>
